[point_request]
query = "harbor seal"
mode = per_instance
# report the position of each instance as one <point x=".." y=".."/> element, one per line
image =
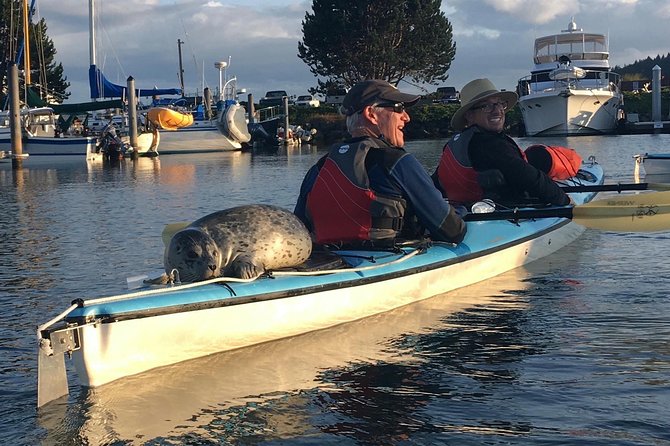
<point x="242" y="242"/>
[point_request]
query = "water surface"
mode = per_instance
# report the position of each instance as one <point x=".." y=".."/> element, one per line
<point x="572" y="349"/>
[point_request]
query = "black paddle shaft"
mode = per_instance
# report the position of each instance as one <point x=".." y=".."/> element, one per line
<point x="606" y="187"/>
<point x="519" y="214"/>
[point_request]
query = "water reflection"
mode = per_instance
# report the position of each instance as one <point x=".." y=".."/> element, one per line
<point x="376" y="364"/>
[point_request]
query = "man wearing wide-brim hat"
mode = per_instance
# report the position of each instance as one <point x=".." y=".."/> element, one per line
<point x="480" y="161"/>
<point x="368" y="190"/>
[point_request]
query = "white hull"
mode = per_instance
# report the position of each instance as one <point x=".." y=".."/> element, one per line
<point x="158" y="403"/>
<point x="112" y="351"/>
<point x="45" y="145"/>
<point x="201" y="136"/>
<point x="557" y="111"/>
<point x="653" y="164"/>
<point x="147" y="142"/>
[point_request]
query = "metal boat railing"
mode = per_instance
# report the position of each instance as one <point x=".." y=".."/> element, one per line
<point x="593" y="80"/>
<point x="269" y="113"/>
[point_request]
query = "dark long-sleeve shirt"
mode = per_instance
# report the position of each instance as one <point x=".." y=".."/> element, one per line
<point x="489" y="150"/>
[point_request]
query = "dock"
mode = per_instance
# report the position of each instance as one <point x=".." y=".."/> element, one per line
<point x="633" y="126"/>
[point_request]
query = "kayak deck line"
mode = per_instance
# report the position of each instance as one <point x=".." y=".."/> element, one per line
<point x="181" y="322"/>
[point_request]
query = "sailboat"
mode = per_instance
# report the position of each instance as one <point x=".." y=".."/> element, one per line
<point x="39" y="126"/>
<point x="44" y="129"/>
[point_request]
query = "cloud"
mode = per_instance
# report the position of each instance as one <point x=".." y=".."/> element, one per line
<point x="536" y="11"/>
<point x="493" y="38"/>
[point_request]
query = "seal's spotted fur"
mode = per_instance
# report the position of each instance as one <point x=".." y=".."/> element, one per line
<point x="239" y="242"/>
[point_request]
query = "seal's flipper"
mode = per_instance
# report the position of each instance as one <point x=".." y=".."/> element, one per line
<point x="244" y="267"/>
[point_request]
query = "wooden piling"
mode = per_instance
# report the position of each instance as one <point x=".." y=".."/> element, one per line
<point x="286" y="130"/>
<point x="15" y="118"/>
<point x="251" y="111"/>
<point x="132" y="117"/>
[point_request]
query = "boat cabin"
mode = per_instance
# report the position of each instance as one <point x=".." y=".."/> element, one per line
<point x="586" y="50"/>
<point x="39" y="121"/>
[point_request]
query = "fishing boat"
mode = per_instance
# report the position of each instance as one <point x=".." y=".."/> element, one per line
<point x="652" y="163"/>
<point x="571" y="89"/>
<point x="109" y="338"/>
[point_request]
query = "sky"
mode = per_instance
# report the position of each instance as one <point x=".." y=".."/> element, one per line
<point x="259" y="39"/>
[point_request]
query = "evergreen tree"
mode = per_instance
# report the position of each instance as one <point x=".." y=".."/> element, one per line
<point x="46" y="74"/>
<point x="643" y="69"/>
<point x="345" y="41"/>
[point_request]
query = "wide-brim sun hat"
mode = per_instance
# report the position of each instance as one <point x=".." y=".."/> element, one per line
<point x="374" y="91"/>
<point x="473" y="92"/>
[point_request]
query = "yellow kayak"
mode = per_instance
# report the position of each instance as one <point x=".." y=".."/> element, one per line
<point x="169" y="119"/>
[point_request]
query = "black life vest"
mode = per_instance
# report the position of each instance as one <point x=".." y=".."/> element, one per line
<point x="341" y="205"/>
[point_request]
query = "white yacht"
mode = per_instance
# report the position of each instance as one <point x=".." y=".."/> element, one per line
<point x="571" y="89"/>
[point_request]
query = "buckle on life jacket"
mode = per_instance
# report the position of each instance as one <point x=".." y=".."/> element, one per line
<point x="394" y="223"/>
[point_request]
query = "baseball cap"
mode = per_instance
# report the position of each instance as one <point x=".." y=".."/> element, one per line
<point x="369" y="92"/>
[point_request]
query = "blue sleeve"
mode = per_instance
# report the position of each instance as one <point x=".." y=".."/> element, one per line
<point x="301" y="206"/>
<point x="431" y="209"/>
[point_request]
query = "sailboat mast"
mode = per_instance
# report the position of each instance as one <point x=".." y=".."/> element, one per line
<point x="181" y="67"/>
<point x="91" y="33"/>
<point x="26" y="40"/>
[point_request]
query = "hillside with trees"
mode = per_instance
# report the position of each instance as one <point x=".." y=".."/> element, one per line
<point x="642" y="69"/>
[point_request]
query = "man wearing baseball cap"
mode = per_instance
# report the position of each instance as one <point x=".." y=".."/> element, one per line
<point x="368" y="190"/>
<point x="482" y="162"/>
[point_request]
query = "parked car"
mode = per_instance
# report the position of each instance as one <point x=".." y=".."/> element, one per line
<point x="447" y="95"/>
<point x="307" y="100"/>
<point x="335" y="97"/>
<point x="273" y="98"/>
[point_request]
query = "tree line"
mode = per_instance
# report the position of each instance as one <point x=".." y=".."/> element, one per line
<point x="46" y="74"/>
<point x="642" y="69"/>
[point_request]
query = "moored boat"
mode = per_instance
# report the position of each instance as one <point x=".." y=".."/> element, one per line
<point x="117" y="336"/>
<point x="653" y="163"/>
<point x="227" y="131"/>
<point x="40" y="135"/>
<point x="571" y="89"/>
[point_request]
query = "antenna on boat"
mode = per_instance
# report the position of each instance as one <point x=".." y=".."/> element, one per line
<point x="572" y="26"/>
<point x="221" y="66"/>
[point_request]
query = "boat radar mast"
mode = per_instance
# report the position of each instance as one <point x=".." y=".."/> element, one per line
<point x="572" y="27"/>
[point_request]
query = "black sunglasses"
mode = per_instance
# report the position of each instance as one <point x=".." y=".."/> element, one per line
<point x="398" y="107"/>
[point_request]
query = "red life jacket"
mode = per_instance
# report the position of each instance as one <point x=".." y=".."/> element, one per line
<point x="559" y="163"/>
<point x="460" y="182"/>
<point x="341" y="205"/>
<point x="455" y="173"/>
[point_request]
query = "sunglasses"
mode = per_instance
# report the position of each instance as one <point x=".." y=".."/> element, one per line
<point x="489" y="107"/>
<point x="398" y="107"/>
